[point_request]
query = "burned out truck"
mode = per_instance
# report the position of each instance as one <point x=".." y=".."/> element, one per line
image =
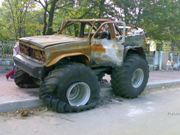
<point x="68" y="66"/>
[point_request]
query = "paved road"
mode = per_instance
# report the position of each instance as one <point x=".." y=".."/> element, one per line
<point x="155" y="113"/>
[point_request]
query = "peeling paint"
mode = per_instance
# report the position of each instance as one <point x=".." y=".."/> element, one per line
<point x="98" y="48"/>
<point x="112" y="51"/>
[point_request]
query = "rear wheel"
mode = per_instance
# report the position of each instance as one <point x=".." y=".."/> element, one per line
<point x="24" y="80"/>
<point x="70" y="88"/>
<point x="130" y="79"/>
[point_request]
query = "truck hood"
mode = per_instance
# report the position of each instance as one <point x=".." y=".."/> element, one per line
<point x="46" y="41"/>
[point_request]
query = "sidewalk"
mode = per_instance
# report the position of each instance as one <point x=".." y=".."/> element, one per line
<point x="163" y="78"/>
<point x="13" y="98"/>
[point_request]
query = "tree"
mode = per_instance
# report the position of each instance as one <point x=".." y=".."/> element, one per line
<point x="17" y="11"/>
<point x="19" y="18"/>
<point x="159" y="18"/>
<point x="76" y="9"/>
<point x="49" y="7"/>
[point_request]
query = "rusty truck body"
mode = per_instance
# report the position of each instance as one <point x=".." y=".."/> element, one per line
<point x="101" y="45"/>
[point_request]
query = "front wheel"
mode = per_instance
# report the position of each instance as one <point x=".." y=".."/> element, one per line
<point x="70" y="88"/>
<point x="130" y="79"/>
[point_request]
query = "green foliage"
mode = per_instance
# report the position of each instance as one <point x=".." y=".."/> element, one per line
<point x="18" y="19"/>
<point x="159" y="18"/>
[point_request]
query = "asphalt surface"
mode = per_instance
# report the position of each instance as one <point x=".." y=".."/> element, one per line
<point x="155" y="113"/>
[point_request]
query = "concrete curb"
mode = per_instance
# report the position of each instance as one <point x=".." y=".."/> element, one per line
<point x="150" y="86"/>
<point x="19" y="104"/>
<point x="36" y="102"/>
<point x="161" y="84"/>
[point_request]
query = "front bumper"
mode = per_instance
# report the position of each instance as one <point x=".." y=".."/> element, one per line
<point x="34" y="69"/>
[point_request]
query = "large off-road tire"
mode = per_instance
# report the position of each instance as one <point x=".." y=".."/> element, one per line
<point x="70" y="88"/>
<point x="130" y="79"/>
<point x="24" y="80"/>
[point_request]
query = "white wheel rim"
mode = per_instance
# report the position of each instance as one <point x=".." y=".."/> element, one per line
<point x="78" y="94"/>
<point x="137" y="78"/>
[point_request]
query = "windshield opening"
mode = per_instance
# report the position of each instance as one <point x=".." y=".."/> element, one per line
<point x="79" y="29"/>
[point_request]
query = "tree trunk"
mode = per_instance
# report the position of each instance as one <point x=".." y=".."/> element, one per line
<point x="51" y="17"/>
<point x="101" y="8"/>
<point x="45" y="23"/>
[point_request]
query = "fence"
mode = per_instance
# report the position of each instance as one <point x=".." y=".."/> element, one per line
<point x="6" y="49"/>
<point x="158" y="60"/>
<point x="150" y="58"/>
<point x="176" y="61"/>
<point x="6" y="52"/>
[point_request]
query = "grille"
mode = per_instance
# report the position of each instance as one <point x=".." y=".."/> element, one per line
<point x="31" y="52"/>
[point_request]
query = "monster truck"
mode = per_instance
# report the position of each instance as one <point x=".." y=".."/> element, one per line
<point x="67" y="66"/>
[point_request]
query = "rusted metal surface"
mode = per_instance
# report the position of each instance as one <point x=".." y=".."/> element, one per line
<point x="107" y="51"/>
<point x="46" y="41"/>
<point x="33" y="53"/>
<point x="58" y="52"/>
<point x="88" y="43"/>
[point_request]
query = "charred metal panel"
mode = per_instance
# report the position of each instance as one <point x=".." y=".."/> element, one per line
<point x="46" y="41"/>
<point x="106" y="51"/>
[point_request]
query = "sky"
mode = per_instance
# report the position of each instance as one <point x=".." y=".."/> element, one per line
<point x="1" y="1"/>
